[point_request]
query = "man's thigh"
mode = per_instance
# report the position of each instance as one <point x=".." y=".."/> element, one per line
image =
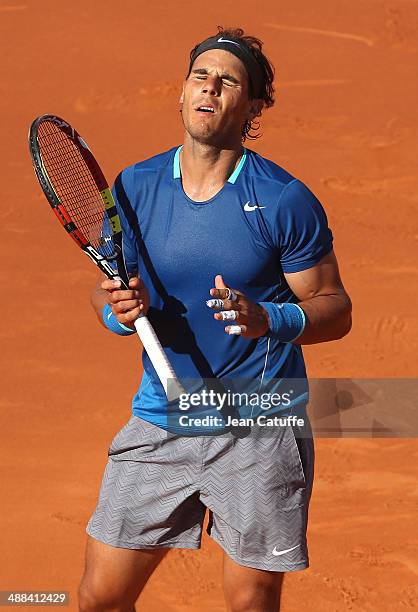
<point x="114" y="577"/>
<point x="249" y="589"/>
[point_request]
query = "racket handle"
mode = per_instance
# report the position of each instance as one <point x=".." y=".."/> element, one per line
<point x="155" y="351"/>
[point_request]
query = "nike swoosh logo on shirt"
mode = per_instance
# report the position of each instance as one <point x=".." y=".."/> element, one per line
<point x="278" y="553"/>
<point x="249" y="208"/>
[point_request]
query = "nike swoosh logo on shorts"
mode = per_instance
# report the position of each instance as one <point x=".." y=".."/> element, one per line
<point x="278" y="553"/>
<point x="249" y="208"/>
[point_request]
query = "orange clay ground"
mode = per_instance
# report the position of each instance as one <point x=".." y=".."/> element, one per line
<point x="345" y="122"/>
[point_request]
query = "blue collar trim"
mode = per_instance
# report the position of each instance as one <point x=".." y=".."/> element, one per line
<point x="232" y="179"/>
<point x="176" y="164"/>
<point x="238" y="169"/>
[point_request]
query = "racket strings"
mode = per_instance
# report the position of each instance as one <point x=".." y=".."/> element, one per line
<point x="75" y="186"/>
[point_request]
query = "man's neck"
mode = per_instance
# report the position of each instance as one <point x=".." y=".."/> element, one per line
<point x="206" y="168"/>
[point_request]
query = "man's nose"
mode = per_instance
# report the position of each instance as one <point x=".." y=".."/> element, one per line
<point x="212" y="86"/>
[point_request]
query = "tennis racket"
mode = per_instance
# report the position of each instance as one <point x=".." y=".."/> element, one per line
<point x="79" y="195"/>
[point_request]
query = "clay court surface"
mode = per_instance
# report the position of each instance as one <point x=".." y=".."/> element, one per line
<point x="345" y="122"/>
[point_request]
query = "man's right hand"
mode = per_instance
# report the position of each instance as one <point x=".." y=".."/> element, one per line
<point x="127" y="304"/>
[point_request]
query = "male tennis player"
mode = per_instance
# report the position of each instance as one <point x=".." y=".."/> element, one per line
<point x="238" y="271"/>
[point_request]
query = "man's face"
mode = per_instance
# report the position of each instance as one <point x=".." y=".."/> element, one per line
<point x="215" y="102"/>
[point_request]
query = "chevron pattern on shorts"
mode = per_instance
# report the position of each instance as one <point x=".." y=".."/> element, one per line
<point x="156" y="487"/>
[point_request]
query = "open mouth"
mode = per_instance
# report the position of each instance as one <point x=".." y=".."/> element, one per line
<point x="205" y="109"/>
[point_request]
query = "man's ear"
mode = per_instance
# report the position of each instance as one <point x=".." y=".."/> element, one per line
<point x="182" y="95"/>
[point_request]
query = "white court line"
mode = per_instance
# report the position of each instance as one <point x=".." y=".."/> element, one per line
<point x="361" y="39"/>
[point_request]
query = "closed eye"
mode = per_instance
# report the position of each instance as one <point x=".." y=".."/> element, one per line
<point x="226" y="81"/>
<point x="201" y="74"/>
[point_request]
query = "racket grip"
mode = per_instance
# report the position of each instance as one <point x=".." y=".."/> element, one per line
<point x="172" y="387"/>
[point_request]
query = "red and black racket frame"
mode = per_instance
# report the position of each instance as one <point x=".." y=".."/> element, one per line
<point x="64" y="218"/>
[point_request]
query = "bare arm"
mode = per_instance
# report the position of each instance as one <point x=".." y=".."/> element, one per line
<point x="324" y="301"/>
<point x="99" y="297"/>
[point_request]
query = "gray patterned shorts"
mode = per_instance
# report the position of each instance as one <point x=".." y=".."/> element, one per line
<point x="157" y="487"/>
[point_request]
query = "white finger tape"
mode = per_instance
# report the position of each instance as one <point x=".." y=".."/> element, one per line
<point x="215" y="303"/>
<point x="229" y="315"/>
<point x="235" y="330"/>
<point x="231" y="295"/>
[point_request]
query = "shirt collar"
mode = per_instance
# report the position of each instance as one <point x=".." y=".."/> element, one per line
<point x="232" y="179"/>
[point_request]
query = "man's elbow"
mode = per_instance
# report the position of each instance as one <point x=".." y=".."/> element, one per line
<point x="346" y="321"/>
<point x="345" y="327"/>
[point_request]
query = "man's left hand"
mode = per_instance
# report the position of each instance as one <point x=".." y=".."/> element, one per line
<point x="244" y="317"/>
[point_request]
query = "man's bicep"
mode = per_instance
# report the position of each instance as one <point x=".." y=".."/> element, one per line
<point x="322" y="279"/>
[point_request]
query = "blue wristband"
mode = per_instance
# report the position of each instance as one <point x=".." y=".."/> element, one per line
<point x="286" y="321"/>
<point x="113" y="324"/>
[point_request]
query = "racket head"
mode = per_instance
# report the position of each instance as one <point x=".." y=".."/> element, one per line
<point x="78" y="192"/>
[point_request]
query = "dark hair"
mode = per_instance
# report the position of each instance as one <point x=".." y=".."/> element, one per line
<point x="254" y="46"/>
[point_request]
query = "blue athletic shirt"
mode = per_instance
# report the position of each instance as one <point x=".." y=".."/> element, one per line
<point x="262" y="223"/>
